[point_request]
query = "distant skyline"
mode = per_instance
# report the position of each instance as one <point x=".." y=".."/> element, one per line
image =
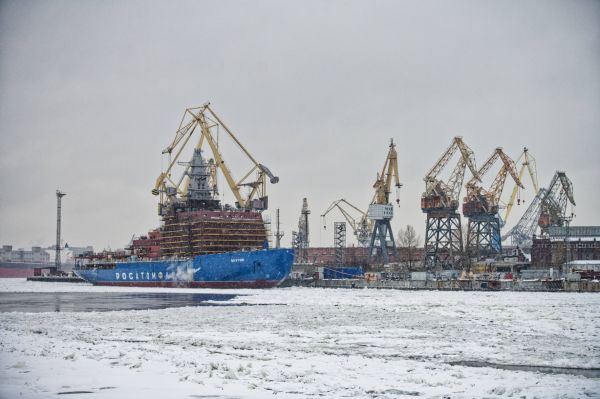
<point x="92" y="92"/>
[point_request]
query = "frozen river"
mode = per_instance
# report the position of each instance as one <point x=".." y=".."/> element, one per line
<point x="299" y="343"/>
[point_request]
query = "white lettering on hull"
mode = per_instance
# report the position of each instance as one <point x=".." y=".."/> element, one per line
<point x="142" y="275"/>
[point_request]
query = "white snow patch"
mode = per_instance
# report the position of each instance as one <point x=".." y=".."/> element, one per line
<point x="303" y="343"/>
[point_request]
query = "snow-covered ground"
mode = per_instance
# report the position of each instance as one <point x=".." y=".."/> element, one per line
<point x="305" y="342"/>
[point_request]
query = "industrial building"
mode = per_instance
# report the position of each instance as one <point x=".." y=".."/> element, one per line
<point x="565" y="244"/>
<point x="23" y="263"/>
<point x="35" y="255"/>
<point x="406" y="257"/>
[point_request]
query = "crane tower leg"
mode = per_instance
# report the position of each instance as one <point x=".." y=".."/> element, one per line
<point x="381" y="231"/>
<point x="483" y="236"/>
<point x="443" y="240"/>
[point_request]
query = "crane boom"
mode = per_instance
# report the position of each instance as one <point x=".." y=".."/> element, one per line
<point x="220" y="162"/>
<point x="360" y="225"/>
<point x="548" y="208"/>
<point x="206" y="119"/>
<point x="431" y="176"/>
<point x="490" y="198"/>
<point x="554" y="203"/>
<point x="528" y="163"/>
<point x="383" y="188"/>
<point x="481" y="207"/>
<point x="440" y="194"/>
<point x="498" y="184"/>
<point x="525" y="228"/>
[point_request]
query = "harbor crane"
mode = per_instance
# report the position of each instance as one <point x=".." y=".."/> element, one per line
<point x="200" y="176"/>
<point x="443" y="234"/>
<point x="380" y="210"/>
<point x="554" y="203"/>
<point x="481" y="207"/>
<point x="361" y="225"/>
<point x="548" y="208"/>
<point x="527" y="163"/>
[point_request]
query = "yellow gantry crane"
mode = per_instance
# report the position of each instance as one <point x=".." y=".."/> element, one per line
<point x="481" y="206"/>
<point x="361" y="225"/>
<point x="173" y="192"/>
<point x="380" y="209"/>
<point x="443" y="231"/>
<point x="527" y="163"/>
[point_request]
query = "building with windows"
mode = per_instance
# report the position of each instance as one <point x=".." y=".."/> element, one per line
<point x="35" y="255"/>
<point x="565" y="244"/>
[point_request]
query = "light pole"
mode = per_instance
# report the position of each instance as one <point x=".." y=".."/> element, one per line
<point x="59" y="196"/>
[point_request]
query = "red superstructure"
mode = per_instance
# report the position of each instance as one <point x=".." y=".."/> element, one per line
<point x="147" y="246"/>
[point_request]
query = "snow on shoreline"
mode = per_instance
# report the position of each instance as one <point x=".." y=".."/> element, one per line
<point x="304" y="342"/>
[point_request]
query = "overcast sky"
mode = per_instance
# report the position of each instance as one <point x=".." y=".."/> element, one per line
<point x="92" y="91"/>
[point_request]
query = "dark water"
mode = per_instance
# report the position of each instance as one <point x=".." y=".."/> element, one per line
<point x="589" y="373"/>
<point x="104" y="301"/>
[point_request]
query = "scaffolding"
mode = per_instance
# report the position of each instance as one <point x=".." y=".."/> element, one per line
<point x="339" y="237"/>
<point x="188" y="234"/>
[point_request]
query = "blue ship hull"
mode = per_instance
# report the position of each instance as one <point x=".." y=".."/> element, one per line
<point x="249" y="269"/>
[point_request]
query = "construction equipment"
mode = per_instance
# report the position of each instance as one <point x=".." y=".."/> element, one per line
<point x="200" y="176"/>
<point x="361" y="225"/>
<point x="522" y="232"/>
<point x="554" y="203"/>
<point x="481" y="207"/>
<point x="194" y="222"/>
<point x="380" y="210"/>
<point x="527" y="162"/>
<point x="548" y="208"/>
<point x="443" y="234"/>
